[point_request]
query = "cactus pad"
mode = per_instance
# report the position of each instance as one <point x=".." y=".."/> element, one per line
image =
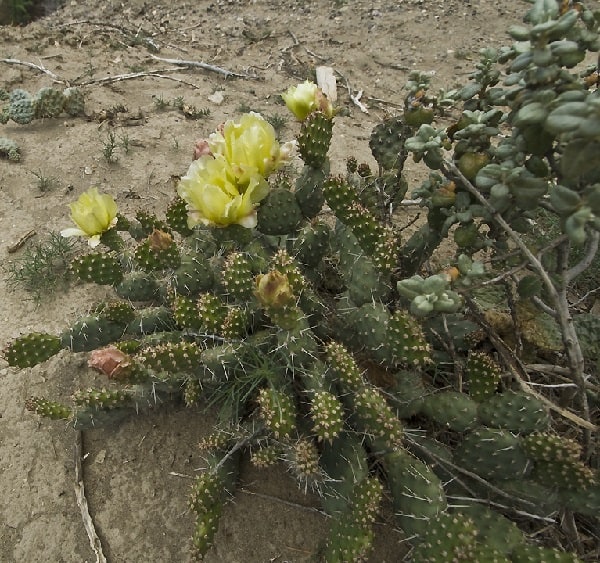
<point x="194" y="275"/>
<point x="327" y="414"/>
<point x="32" y="349"/>
<point x="138" y="286"/>
<point x="309" y="190"/>
<point x="343" y="367"/>
<point x="376" y="416"/>
<point x="92" y="332"/>
<point x="387" y="143"/>
<point x="101" y="399"/>
<point x="449" y="537"/>
<point x="534" y="553"/>
<point x="303" y="461"/>
<point x="405" y="341"/>
<point x="351" y="535"/>
<point x="206" y="501"/>
<point x="22" y="107"/>
<point x="279" y="213"/>
<point x="49" y="102"/>
<point x="483" y="376"/>
<point x="74" y="103"/>
<point x="314" y="139"/>
<point x="185" y="312"/>
<point x="451" y="409"/>
<point x="49" y="409"/>
<point x="557" y="462"/>
<point x="238" y="281"/>
<point x="517" y="412"/>
<point x="177" y="217"/>
<point x="212" y="312"/>
<point x="157" y="252"/>
<point x="417" y="493"/>
<point x="311" y="244"/>
<point x="493" y="454"/>
<point x="98" y="267"/>
<point x="266" y="456"/>
<point x="278" y="411"/>
<point x="171" y="359"/>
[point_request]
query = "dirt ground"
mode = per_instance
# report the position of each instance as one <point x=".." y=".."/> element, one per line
<point x="138" y="472"/>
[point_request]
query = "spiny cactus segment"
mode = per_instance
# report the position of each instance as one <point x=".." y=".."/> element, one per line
<point x="207" y="499"/>
<point x="32" y="349"/>
<point x="279" y="214"/>
<point x="49" y="409"/>
<point x="314" y="139"/>
<point x="517" y="412"/>
<point x="327" y="414"/>
<point x="266" y="456"/>
<point x="158" y="252"/>
<point x="98" y="267"/>
<point x="101" y="399"/>
<point x="352" y="534"/>
<point x="493" y="454"/>
<point x="557" y="462"/>
<point x="278" y="412"/>
<point x="451" y="409"/>
<point x="483" y="376"/>
<point x="417" y="493"/>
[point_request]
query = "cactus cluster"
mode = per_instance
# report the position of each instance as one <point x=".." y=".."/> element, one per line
<point x="23" y="107"/>
<point x="9" y="149"/>
<point x="321" y="339"/>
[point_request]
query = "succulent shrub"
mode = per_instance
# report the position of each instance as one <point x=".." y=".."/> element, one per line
<point x="331" y="345"/>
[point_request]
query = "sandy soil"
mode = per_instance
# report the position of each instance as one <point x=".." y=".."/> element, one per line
<point x="138" y="472"/>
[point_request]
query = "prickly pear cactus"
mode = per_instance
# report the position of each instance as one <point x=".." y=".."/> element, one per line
<point x="24" y="107"/>
<point x="9" y="149"/>
<point x="326" y="344"/>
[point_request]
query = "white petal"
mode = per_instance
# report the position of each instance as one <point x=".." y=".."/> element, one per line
<point x="94" y="241"/>
<point x="72" y="232"/>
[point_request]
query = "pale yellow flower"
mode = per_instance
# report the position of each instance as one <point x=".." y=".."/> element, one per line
<point x="304" y="99"/>
<point x="250" y="147"/>
<point x="94" y="214"/>
<point x="214" y="197"/>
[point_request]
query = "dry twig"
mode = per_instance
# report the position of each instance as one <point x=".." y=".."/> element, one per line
<point x="205" y="66"/>
<point x="133" y="75"/>
<point x="40" y="68"/>
<point x="88" y="523"/>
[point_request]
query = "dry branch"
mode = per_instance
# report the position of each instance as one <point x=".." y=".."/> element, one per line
<point x="40" y="68"/>
<point x="205" y="66"/>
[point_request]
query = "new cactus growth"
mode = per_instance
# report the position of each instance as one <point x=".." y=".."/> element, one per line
<point x="360" y="361"/>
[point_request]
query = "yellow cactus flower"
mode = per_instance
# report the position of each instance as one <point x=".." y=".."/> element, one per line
<point x="214" y="198"/>
<point x="94" y="214"/>
<point x="305" y="98"/>
<point x="249" y="146"/>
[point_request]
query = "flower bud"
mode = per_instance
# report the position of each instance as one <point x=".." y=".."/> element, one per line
<point x="306" y="98"/>
<point x="273" y="290"/>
